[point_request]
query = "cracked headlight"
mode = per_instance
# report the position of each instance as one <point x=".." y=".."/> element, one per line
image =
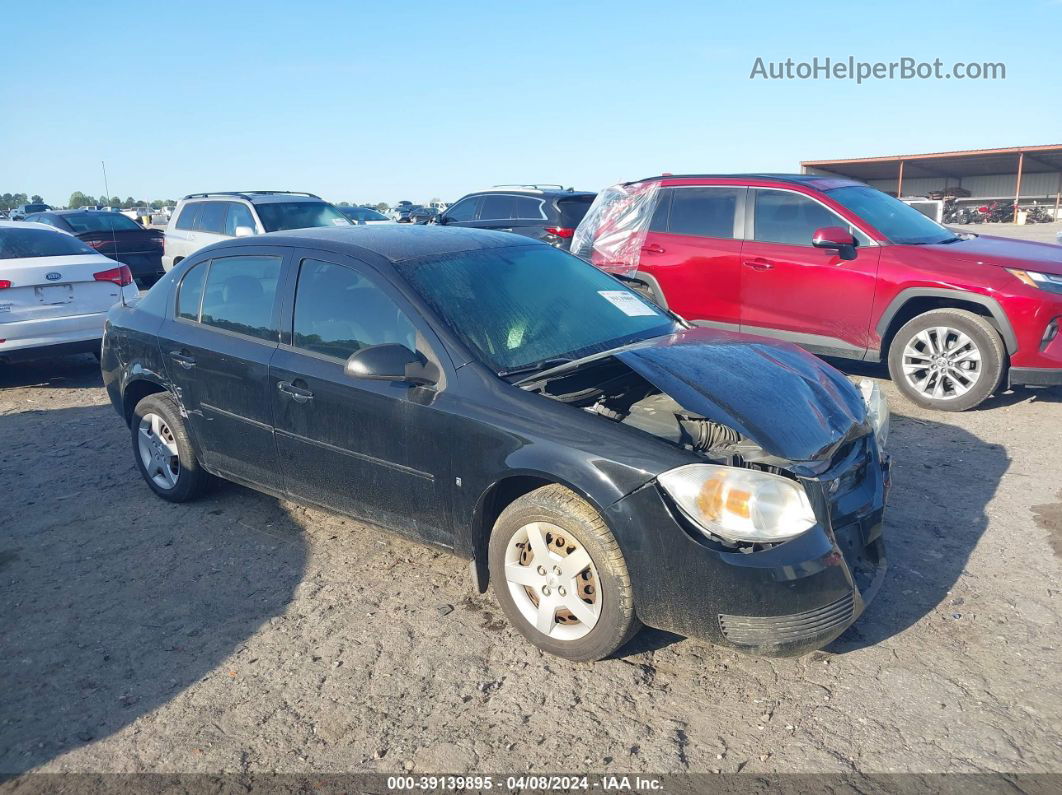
<point x="877" y="410"/>
<point x="739" y="504"/>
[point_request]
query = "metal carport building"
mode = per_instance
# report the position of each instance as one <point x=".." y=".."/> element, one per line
<point x="1018" y="174"/>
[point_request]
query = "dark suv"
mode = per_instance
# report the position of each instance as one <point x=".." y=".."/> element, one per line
<point x="843" y="270"/>
<point x="549" y="213"/>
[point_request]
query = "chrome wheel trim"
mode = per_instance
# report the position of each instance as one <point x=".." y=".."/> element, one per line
<point x="942" y="363"/>
<point x="158" y="451"/>
<point x="553" y="581"/>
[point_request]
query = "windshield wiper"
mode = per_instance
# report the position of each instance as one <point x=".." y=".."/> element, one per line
<point x="545" y="364"/>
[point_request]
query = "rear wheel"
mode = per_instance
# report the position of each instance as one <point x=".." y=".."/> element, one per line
<point x="947" y="359"/>
<point x="560" y="577"/>
<point x="163" y="451"/>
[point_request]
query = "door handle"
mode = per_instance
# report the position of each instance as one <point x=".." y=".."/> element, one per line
<point x="758" y="264"/>
<point x="183" y="359"/>
<point x="296" y="393"/>
<point x="653" y="248"/>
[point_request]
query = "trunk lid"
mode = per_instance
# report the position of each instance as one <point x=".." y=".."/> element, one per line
<point x="120" y="243"/>
<point x="50" y="287"/>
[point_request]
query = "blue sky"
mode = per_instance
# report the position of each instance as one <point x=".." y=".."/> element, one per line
<point x="386" y="101"/>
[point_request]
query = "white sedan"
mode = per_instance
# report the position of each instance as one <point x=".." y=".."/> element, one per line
<point x="55" y="292"/>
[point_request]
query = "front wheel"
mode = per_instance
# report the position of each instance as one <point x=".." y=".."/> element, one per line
<point x="560" y="576"/>
<point x="947" y="359"/>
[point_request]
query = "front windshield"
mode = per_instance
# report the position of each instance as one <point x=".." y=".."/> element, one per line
<point x="100" y="222"/>
<point x="899" y="222"/>
<point x="16" y="243"/>
<point x="525" y="306"/>
<point x="279" y="216"/>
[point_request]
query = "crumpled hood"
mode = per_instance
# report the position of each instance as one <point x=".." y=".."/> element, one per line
<point x="1004" y="251"/>
<point x="790" y="403"/>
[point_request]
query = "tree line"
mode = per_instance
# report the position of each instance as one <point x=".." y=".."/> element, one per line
<point x="9" y="201"/>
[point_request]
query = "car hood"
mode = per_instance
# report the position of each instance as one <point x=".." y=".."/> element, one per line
<point x="1004" y="251"/>
<point x="790" y="403"/>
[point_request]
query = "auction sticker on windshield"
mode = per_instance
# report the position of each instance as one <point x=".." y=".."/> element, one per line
<point x="627" y="303"/>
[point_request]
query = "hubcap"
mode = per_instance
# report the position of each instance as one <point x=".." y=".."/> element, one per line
<point x="553" y="581"/>
<point x="158" y="451"/>
<point x="942" y="363"/>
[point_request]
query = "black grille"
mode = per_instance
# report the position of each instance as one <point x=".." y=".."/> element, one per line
<point x="760" y="630"/>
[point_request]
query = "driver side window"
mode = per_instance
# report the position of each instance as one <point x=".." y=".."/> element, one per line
<point x="339" y="311"/>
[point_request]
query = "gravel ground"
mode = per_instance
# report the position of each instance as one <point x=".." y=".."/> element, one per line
<point x="242" y="633"/>
<point x="1040" y="233"/>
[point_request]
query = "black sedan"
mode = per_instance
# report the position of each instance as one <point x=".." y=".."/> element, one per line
<point x="113" y="235"/>
<point x="601" y="463"/>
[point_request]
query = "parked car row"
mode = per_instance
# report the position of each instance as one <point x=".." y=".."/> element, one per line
<point x="636" y="437"/>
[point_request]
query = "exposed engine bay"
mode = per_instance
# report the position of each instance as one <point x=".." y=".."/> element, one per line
<point x="612" y="390"/>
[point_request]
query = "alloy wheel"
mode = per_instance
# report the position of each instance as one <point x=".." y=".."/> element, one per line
<point x="942" y="363"/>
<point x="158" y="451"/>
<point x="553" y="581"/>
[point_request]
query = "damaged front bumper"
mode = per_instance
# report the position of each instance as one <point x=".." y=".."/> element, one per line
<point x="784" y="600"/>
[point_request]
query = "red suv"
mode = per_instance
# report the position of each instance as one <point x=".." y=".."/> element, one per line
<point x="843" y="270"/>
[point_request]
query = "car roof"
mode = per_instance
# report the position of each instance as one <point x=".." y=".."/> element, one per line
<point x="393" y="242"/>
<point x="30" y="225"/>
<point x="821" y="181"/>
<point x="254" y="196"/>
<point x="81" y="211"/>
<point x="531" y="190"/>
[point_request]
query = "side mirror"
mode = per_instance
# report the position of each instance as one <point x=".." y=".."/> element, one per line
<point x="244" y="231"/>
<point x="392" y="362"/>
<point x="836" y="238"/>
<point x="440" y="219"/>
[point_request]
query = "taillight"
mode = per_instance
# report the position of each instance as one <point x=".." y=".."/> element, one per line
<point x="120" y="276"/>
<point x="4" y="284"/>
<point x="561" y="231"/>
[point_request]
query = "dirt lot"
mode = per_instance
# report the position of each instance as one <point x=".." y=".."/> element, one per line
<point x="246" y="634"/>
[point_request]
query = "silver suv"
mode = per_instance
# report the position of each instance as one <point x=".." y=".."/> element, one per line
<point x="204" y="218"/>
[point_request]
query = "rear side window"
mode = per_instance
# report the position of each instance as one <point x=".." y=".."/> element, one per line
<point x="783" y="217"/>
<point x="239" y="295"/>
<point x="189" y="215"/>
<point x="212" y="218"/>
<point x="238" y="215"/>
<point x="339" y="311"/>
<point x="663" y="207"/>
<point x="526" y="208"/>
<point x="704" y="212"/>
<point x="573" y="209"/>
<point x="190" y="294"/>
<point x="495" y="207"/>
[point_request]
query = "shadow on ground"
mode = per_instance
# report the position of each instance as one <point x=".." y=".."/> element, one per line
<point x="943" y="479"/>
<point x="63" y="372"/>
<point x="111" y="600"/>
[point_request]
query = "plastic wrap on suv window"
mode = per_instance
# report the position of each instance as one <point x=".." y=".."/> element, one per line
<point x="612" y="232"/>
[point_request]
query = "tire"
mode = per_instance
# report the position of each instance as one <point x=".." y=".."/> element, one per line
<point x="157" y="418"/>
<point x="569" y="527"/>
<point x="966" y="341"/>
